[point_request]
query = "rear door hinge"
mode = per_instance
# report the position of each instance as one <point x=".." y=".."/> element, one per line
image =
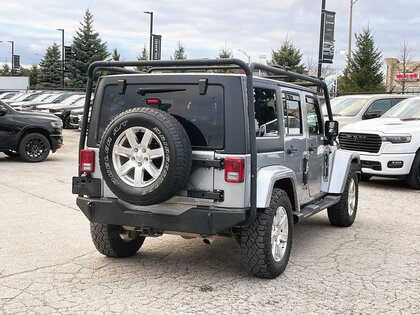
<point x="219" y="163"/>
<point x="216" y="195"/>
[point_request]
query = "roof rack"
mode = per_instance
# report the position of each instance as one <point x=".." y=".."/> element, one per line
<point x="194" y="68"/>
<point x="204" y="64"/>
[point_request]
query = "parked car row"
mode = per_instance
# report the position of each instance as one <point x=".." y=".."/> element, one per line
<point x="30" y="135"/>
<point x="59" y="103"/>
<point x="31" y="122"/>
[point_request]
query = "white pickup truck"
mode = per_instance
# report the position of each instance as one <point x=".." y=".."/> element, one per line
<point x="390" y="145"/>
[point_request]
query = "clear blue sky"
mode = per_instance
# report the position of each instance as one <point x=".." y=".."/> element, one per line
<point x="203" y="27"/>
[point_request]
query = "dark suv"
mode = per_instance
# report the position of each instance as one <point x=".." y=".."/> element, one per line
<point x="201" y="154"/>
<point x="29" y="135"/>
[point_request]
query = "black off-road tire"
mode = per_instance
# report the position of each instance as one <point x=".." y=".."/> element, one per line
<point x="413" y="179"/>
<point x="66" y="123"/>
<point x="177" y="162"/>
<point x="365" y="177"/>
<point x="256" y="239"/>
<point x="12" y="154"/>
<point x="109" y="242"/>
<point x="339" y="214"/>
<point x="34" y="147"/>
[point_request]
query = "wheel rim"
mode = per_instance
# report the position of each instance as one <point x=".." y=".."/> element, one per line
<point x="138" y="157"/>
<point x="35" y="148"/>
<point x="279" y="234"/>
<point x="351" y="198"/>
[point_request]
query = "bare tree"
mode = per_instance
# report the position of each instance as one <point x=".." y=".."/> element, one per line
<point x="312" y="69"/>
<point x="405" y="55"/>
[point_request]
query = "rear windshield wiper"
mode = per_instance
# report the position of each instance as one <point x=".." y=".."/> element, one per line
<point x="143" y="91"/>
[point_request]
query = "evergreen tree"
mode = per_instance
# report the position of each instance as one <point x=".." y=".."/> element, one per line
<point x="288" y="56"/>
<point x="87" y="47"/>
<point x="115" y="55"/>
<point x="363" y="70"/>
<point x="179" y="53"/>
<point x="224" y="53"/>
<point x="50" y="67"/>
<point x="5" y="71"/>
<point x="143" y="56"/>
<point x="34" y="75"/>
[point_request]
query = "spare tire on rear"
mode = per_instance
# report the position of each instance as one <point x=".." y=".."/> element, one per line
<point x="145" y="156"/>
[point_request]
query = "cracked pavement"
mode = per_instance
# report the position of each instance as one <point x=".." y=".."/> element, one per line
<point x="48" y="263"/>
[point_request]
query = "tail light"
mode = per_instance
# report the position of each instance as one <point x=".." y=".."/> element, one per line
<point x="234" y="170"/>
<point x="87" y="161"/>
<point x="153" y="101"/>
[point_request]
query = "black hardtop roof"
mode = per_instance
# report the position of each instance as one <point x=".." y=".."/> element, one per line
<point x="210" y="74"/>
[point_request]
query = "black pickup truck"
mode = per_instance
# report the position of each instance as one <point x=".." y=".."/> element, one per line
<point x="29" y="135"/>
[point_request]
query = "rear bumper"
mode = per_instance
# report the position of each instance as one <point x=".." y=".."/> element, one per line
<point x="200" y="220"/>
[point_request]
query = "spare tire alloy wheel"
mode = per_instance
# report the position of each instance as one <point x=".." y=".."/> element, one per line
<point x="138" y="164"/>
<point x="145" y="156"/>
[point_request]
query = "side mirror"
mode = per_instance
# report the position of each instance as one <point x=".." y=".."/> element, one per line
<point x="373" y="114"/>
<point x="3" y="110"/>
<point x="331" y="129"/>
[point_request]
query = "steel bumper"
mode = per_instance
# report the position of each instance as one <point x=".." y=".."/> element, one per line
<point x="200" y="220"/>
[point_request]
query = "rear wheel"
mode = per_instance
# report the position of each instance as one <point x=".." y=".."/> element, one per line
<point x="114" y="240"/>
<point x="344" y="212"/>
<point x="414" y="176"/>
<point x="266" y="243"/>
<point x="34" y="147"/>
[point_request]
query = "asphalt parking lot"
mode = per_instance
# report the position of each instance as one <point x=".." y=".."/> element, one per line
<point x="48" y="263"/>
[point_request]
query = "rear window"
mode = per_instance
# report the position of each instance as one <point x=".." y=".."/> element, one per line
<point x="202" y="116"/>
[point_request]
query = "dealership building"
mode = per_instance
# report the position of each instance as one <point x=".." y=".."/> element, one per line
<point x="395" y="75"/>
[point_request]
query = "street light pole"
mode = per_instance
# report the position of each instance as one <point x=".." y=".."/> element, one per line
<point x="321" y="40"/>
<point x="151" y="32"/>
<point x="62" y="56"/>
<point x="249" y="57"/>
<point x="13" y="53"/>
<point x="352" y="2"/>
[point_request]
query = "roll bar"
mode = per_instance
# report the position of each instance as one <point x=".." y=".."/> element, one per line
<point x="203" y="64"/>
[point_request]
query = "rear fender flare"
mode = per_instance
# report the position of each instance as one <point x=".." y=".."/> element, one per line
<point x="266" y="179"/>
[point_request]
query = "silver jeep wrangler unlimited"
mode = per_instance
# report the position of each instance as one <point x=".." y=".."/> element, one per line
<point x="186" y="149"/>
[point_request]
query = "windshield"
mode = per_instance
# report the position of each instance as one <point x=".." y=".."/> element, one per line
<point x="79" y="101"/>
<point x="407" y="109"/>
<point x="72" y="99"/>
<point x="49" y="98"/>
<point x="346" y="106"/>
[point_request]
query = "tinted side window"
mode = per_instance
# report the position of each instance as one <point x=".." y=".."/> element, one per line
<point x="265" y="111"/>
<point x="292" y="114"/>
<point x="395" y="101"/>
<point x="312" y="117"/>
<point x="380" y="106"/>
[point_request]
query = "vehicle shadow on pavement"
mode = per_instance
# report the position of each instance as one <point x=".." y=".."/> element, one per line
<point x="222" y="257"/>
<point x="391" y="183"/>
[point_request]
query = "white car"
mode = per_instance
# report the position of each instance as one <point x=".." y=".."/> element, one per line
<point x="390" y="145"/>
<point x="353" y="108"/>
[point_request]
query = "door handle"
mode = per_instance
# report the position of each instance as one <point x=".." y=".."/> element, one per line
<point x="291" y="150"/>
<point x="311" y="149"/>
